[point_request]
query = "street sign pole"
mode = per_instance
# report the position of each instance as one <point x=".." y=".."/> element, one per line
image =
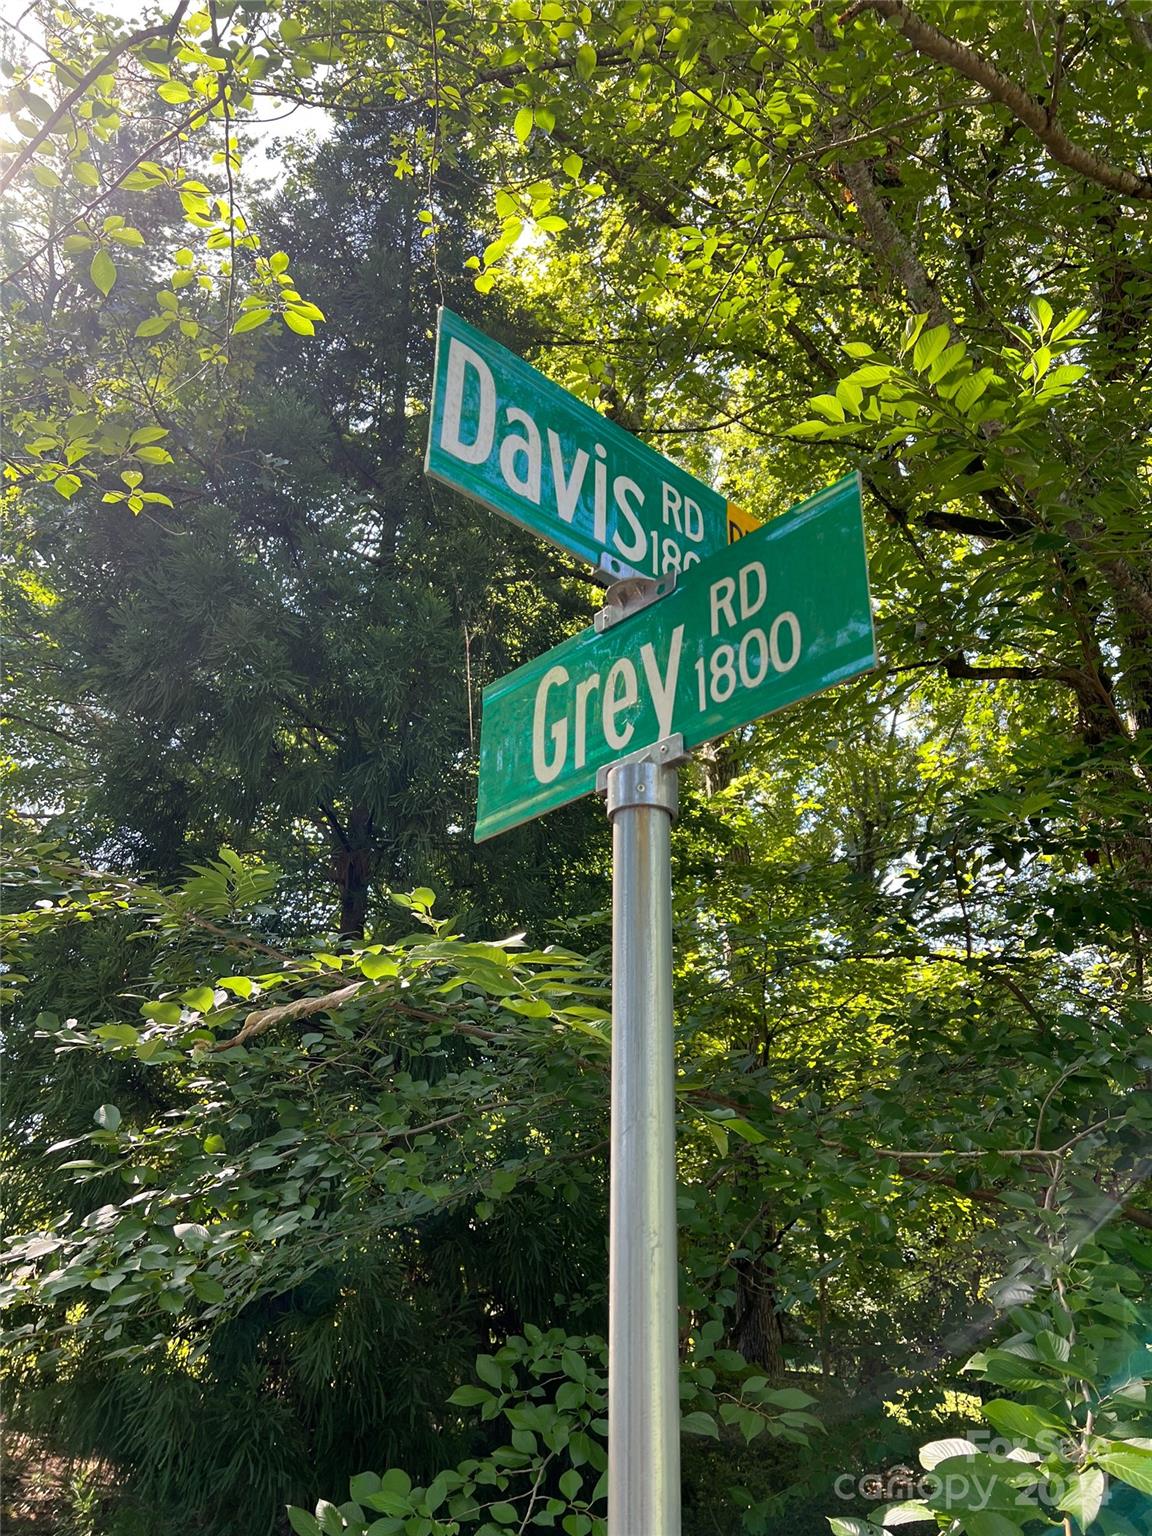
<point x="643" y="1349"/>
<point x="730" y="632"/>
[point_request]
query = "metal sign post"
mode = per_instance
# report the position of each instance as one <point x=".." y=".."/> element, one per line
<point x="643" y="1354"/>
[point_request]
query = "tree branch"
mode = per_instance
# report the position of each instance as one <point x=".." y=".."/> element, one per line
<point x="961" y="522"/>
<point x="133" y="40"/>
<point x="304" y="1007"/>
<point x="892" y="246"/>
<point x="959" y="666"/>
<point x="934" y="44"/>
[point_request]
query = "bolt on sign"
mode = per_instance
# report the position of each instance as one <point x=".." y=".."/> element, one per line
<point x="513" y="440"/>
<point x="780" y="615"/>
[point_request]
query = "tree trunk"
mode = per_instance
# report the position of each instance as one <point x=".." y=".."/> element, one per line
<point x="758" y="1333"/>
<point x="354" y="863"/>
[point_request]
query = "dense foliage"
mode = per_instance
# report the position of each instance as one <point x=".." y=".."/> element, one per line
<point x="305" y="1178"/>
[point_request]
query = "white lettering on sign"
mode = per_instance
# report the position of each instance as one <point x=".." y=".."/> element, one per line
<point x="471" y="404"/>
<point x="793" y="624"/>
<point x="563" y="715"/>
<point x="461" y="357"/>
<point x="748" y="664"/>
<point x="567" y="488"/>
<point x="663" y="689"/>
<point x="622" y="488"/>
<point x="524" y="482"/>
<point x="683" y="513"/>
<point x="544" y="768"/>
<point x="722" y="596"/>
<point x="620" y="692"/>
<point x="587" y="714"/>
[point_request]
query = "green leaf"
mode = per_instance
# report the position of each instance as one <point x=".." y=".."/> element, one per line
<point x="117" y="1034"/>
<point x="1041" y="312"/>
<point x="67" y="485"/>
<point x="1072" y="321"/>
<point x="788" y="1398"/>
<point x="302" y="1522"/>
<point x="929" y="347"/>
<point x="249" y="320"/>
<point x="173" y="91"/>
<point x="572" y="166"/>
<point x="200" y="999"/>
<point x="808" y="429"/>
<point x="699" y="1423"/>
<point x="1131" y="1466"/>
<point x="522" y="127"/>
<point x="470" y="1397"/>
<point x="330" y="1518"/>
<point x="574" y="1365"/>
<point x="162" y="1013"/>
<point x="298" y="323"/>
<point x="103" y="272"/>
<point x="829" y="406"/>
<point x="1084" y="1496"/>
<point x="744" y="1129"/>
<point x="488" y="1370"/>
<point x="871" y="374"/>
<point x="910" y="1512"/>
<point x="1020" y="1422"/>
<point x="375" y="966"/>
<point x="363" y="1484"/>
<point x="208" y="1289"/>
<point x="107" y="1117"/>
<point x="719" y="1135"/>
<point x="585" y="61"/>
<point x="990" y="1522"/>
<point x="569" y="1395"/>
<point x="155" y="325"/>
<point x="529" y="1007"/>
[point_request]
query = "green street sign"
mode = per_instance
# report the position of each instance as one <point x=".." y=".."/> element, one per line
<point x="773" y="619"/>
<point x="511" y="439"/>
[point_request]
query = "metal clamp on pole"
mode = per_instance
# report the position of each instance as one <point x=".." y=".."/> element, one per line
<point x="629" y="595"/>
<point x="643" y="1354"/>
<point x="667" y="754"/>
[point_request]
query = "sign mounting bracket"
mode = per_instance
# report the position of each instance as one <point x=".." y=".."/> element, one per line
<point x="631" y="595"/>
<point x="664" y="753"/>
